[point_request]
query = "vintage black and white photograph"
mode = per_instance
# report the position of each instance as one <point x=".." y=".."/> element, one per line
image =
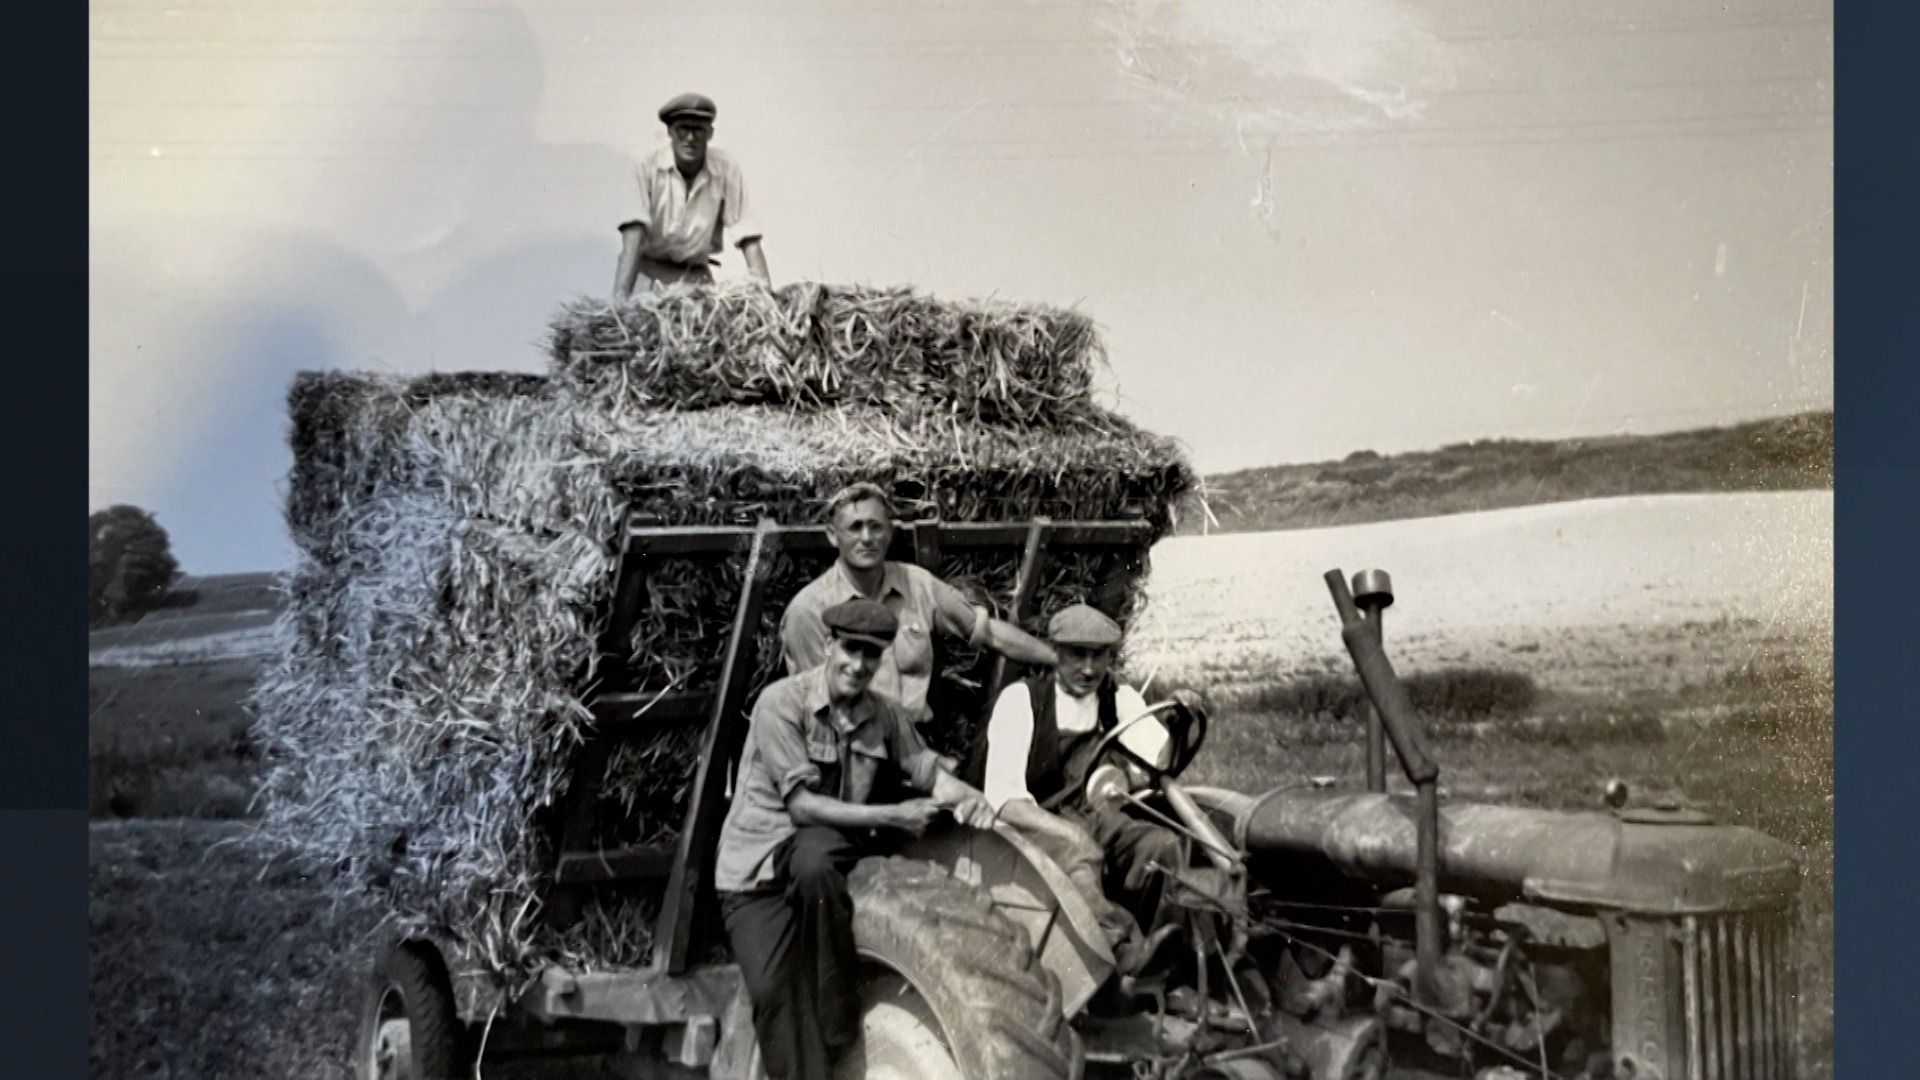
<point x="961" y="539"/>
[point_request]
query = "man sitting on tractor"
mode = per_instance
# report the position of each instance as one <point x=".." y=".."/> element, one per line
<point x="799" y="821"/>
<point x="1036" y="756"/>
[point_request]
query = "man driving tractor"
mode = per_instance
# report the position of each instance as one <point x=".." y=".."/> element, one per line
<point x="1035" y="758"/>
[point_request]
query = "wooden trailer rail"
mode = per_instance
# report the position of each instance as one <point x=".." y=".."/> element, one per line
<point x="915" y="539"/>
<point x="620" y="710"/>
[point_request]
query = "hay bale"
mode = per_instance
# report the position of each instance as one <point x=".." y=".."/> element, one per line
<point x="458" y="539"/>
<point x="814" y="346"/>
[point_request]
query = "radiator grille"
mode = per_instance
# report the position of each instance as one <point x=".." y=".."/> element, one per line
<point x="1737" y="975"/>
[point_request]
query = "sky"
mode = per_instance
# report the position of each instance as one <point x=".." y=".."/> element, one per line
<point x="1305" y="227"/>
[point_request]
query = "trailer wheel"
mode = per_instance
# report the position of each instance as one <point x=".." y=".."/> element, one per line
<point x="955" y="991"/>
<point x="409" y="1029"/>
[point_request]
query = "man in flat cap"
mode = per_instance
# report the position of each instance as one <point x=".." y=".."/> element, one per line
<point x="693" y="201"/>
<point x="1038" y="745"/>
<point x="815" y="747"/>
<point x="860" y="527"/>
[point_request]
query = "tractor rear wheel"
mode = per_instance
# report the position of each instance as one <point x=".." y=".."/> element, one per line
<point x="954" y="991"/>
<point x="409" y="1029"/>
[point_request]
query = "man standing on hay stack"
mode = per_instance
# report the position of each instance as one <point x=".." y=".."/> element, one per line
<point x="860" y="527"/>
<point x="691" y="198"/>
<point x="791" y="837"/>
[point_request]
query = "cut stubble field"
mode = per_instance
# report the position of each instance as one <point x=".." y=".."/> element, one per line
<point x="1680" y="643"/>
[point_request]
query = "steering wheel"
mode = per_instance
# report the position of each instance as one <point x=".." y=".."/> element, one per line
<point x="1187" y="726"/>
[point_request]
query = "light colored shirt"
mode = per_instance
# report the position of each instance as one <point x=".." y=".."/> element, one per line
<point x="922" y="602"/>
<point x="1010" y="732"/>
<point x="686" y="222"/>
<point x="798" y="737"/>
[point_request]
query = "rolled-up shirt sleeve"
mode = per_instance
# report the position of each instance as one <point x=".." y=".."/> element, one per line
<point x="639" y="201"/>
<point x="1009" y="742"/>
<point x="803" y="636"/>
<point x="736" y="211"/>
<point x="911" y="752"/>
<point x="956" y="617"/>
<point x="783" y="749"/>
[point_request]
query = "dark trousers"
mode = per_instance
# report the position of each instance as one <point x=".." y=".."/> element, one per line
<point x="657" y="272"/>
<point x="794" y="945"/>
<point x="1139" y="856"/>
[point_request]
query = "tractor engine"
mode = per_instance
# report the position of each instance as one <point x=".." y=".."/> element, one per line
<point x="1636" y="943"/>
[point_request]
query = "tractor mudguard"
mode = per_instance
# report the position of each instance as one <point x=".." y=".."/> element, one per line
<point x="1032" y="891"/>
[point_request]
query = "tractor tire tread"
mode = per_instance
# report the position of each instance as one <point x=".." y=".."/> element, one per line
<point x="1001" y="1007"/>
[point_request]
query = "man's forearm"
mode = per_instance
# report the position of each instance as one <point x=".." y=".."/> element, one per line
<point x="1016" y="644"/>
<point x="959" y="798"/>
<point x="756" y="260"/>
<point x="949" y="789"/>
<point x="811" y="808"/>
<point x="627" y="269"/>
<point x="1026" y="814"/>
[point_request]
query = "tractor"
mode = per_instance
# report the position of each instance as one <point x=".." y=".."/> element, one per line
<point x="1321" y="932"/>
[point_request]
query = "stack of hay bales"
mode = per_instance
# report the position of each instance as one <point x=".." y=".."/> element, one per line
<point x="459" y="534"/>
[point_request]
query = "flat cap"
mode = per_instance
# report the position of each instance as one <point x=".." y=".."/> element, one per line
<point x="689" y="107"/>
<point x="1082" y="625"/>
<point x="862" y="620"/>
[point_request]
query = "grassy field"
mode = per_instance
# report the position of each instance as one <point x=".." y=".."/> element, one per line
<point x="170" y="740"/>
<point x="1788" y="454"/>
<point x="209" y="960"/>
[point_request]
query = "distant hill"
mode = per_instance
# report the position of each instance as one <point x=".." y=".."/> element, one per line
<point x="201" y="619"/>
<point x="196" y="596"/>
<point x="1790" y="453"/>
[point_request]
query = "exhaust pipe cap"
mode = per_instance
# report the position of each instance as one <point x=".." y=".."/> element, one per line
<point x="1373" y="589"/>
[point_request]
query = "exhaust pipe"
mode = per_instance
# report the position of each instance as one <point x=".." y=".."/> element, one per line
<point x="1394" y="709"/>
<point x="1373" y="591"/>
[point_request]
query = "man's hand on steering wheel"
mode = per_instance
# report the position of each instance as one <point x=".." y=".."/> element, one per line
<point x="1194" y="701"/>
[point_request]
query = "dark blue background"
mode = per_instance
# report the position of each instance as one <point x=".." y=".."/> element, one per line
<point x="1876" y="483"/>
<point x="43" y="443"/>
